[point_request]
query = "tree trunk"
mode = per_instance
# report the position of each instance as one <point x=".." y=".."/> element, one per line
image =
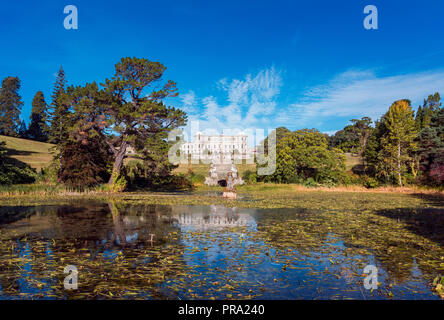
<point x="414" y="166"/>
<point x="119" y="231"/>
<point x="399" y="165"/>
<point x="118" y="161"/>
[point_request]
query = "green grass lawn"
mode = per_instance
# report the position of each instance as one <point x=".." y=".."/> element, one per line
<point x="36" y="154"/>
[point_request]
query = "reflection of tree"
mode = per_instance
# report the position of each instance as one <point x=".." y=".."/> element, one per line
<point x="83" y="236"/>
<point x="88" y="222"/>
<point x="119" y="231"/>
<point x="12" y="214"/>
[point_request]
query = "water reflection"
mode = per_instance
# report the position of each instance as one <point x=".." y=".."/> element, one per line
<point x="204" y="252"/>
<point x="216" y="217"/>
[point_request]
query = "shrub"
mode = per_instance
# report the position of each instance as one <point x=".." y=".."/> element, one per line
<point x="250" y="177"/>
<point x="138" y="176"/>
<point x="310" y="183"/>
<point x="13" y="171"/>
<point x="369" y="182"/>
<point x="49" y="174"/>
<point x="119" y="184"/>
<point x="195" y="178"/>
<point x="409" y="179"/>
<point x="328" y="183"/>
<point x="10" y="174"/>
<point x="84" y="164"/>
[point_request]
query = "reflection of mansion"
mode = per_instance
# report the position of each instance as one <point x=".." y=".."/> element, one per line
<point x="219" y="216"/>
<point x="213" y="146"/>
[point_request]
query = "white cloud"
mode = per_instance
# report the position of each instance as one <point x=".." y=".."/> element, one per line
<point x="189" y="101"/>
<point x="249" y="102"/>
<point x="362" y="93"/>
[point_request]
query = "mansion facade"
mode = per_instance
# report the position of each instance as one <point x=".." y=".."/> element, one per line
<point x="208" y="146"/>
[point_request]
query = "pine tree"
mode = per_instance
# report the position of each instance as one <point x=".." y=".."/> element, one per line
<point x="429" y="110"/>
<point x="22" y="131"/>
<point x="38" y="127"/>
<point x="398" y="142"/>
<point x="59" y="109"/>
<point x="10" y="106"/>
<point x="135" y="115"/>
<point x="418" y="119"/>
<point x="431" y="150"/>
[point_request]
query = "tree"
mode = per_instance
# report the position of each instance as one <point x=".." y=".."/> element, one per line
<point x="431" y="150"/>
<point x="10" y="106"/>
<point x="428" y="111"/>
<point x="59" y="110"/>
<point x="38" y="127"/>
<point x="304" y="154"/>
<point x="353" y="138"/>
<point x="280" y="133"/>
<point x="124" y="114"/>
<point x="133" y="114"/>
<point x="362" y="128"/>
<point x="376" y="164"/>
<point x="344" y="139"/>
<point x="22" y="131"/>
<point x="398" y="142"/>
<point x="84" y="163"/>
<point x="154" y="171"/>
<point x="84" y="154"/>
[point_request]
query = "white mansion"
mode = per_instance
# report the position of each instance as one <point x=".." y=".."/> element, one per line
<point x="210" y="146"/>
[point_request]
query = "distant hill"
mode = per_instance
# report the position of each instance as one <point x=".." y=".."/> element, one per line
<point x="36" y="154"/>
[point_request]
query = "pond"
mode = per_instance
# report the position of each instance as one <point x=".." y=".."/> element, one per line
<point x="136" y="251"/>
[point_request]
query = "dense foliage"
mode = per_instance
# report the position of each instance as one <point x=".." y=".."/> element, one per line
<point x="431" y="150"/>
<point x="400" y="148"/>
<point x="407" y="149"/>
<point x="353" y="138"/>
<point x="13" y="171"/>
<point x="10" y="106"/>
<point x="304" y="154"/>
<point x="38" y="128"/>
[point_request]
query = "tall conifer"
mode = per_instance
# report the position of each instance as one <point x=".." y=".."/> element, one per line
<point x="10" y="106"/>
<point x="38" y="127"/>
<point x="59" y="109"/>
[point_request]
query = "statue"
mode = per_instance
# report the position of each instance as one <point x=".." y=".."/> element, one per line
<point x="229" y="192"/>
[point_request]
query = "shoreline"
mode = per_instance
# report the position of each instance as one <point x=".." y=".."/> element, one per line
<point x="54" y="190"/>
<point x="250" y="196"/>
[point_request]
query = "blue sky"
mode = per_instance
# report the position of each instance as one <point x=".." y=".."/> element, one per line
<point x="239" y="64"/>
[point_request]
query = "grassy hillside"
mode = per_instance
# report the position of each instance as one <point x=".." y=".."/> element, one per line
<point x="36" y="154"/>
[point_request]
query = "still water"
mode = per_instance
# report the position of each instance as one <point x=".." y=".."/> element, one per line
<point x="207" y="252"/>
